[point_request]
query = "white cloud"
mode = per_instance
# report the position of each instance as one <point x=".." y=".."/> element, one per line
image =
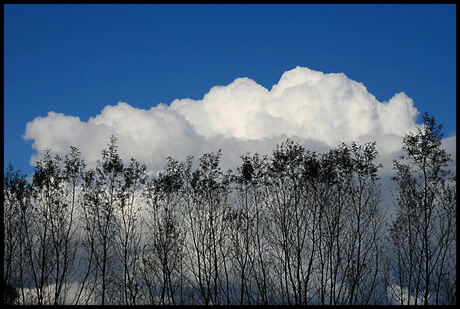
<point x="148" y="135"/>
<point x="326" y="107"/>
<point x="319" y="110"/>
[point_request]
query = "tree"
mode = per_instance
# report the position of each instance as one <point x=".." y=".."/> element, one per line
<point x="163" y="254"/>
<point x="130" y="228"/>
<point x="365" y="228"/>
<point x="240" y="226"/>
<point x="248" y="225"/>
<point x="290" y="217"/>
<point x="16" y="203"/>
<point x="423" y="232"/>
<point x="294" y="227"/>
<point x="102" y="189"/>
<point x="206" y="191"/>
<point x="64" y="227"/>
<point x="49" y="226"/>
<point x="45" y="234"/>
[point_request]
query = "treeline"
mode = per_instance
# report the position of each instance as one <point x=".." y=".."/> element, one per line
<point x="295" y="227"/>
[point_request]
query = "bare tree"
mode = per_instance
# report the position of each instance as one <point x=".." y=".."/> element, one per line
<point x="16" y="203"/>
<point x="422" y="234"/>
<point x="247" y="223"/>
<point x="332" y="196"/>
<point x="365" y="227"/>
<point x="64" y="225"/>
<point x="129" y="229"/>
<point x="102" y="189"/>
<point x="163" y="254"/>
<point x="240" y="223"/>
<point x="44" y="241"/>
<point x="206" y="192"/>
<point x="295" y="227"/>
<point x="319" y="178"/>
<point x="290" y="216"/>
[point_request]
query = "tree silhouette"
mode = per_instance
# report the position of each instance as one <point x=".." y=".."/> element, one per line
<point x="423" y="232"/>
<point x="293" y="227"/>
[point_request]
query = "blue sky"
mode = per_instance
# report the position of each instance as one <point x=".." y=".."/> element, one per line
<point x="77" y="59"/>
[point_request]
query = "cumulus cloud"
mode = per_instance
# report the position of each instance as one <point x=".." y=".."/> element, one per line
<point x="316" y="109"/>
<point x="330" y="108"/>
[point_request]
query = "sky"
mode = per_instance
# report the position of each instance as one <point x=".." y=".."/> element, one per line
<point x="185" y="79"/>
